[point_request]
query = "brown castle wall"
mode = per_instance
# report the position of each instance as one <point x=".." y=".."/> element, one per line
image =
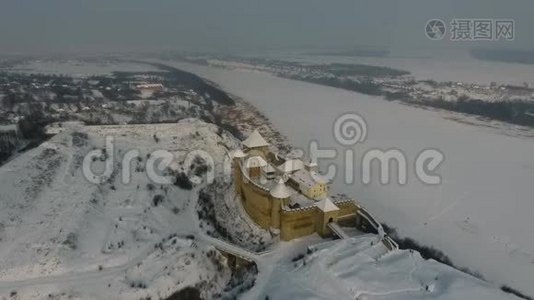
<point x="297" y="223"/>
<point x="294" y="223"/>
<point x="257" y="204"/>
<point x="346" y="208"/>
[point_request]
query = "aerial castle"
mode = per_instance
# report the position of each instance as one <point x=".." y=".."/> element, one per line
<point x="288" y="196"/>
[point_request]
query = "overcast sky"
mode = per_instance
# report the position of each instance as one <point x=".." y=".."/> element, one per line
<point x="244" y="25"/>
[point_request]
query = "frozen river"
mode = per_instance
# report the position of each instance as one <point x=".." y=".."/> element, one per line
<point x="481" y="213"/>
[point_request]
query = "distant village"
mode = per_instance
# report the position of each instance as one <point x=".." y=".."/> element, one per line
<point x="64" y="96"/>
<point x="32" y="103"/>
<point x="503" y="102"/>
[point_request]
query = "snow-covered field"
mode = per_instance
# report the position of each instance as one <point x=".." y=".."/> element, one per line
<point x="64" y="237"/>
<point x="80" y="68"/>
<point x="360" y="269"/>
<point x="480" y="215"/>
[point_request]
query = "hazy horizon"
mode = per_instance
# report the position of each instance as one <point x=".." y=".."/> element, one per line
<point x="63" y="26"/>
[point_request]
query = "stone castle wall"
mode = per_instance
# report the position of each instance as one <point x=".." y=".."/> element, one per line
<point x="256" y="202"/>
<point x="297" y="223"/>
<point x="294" y="223"/>
<point x="346" y="208"/>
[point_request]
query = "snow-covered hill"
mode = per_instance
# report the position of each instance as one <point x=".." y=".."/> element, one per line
<point x="63" y="236"/>
<point x="358" y="269"/>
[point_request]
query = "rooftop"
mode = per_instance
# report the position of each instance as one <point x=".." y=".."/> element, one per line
<point x="255" y="161"/>
<point x="238" y="153"/>
<point x="300" y="200"/>
<point x="291" y="165"/>
<point x="326" y="205"/>
<point x="280" y="190"/>
<point x="255" y="140"/>
<point x="308" y="178"/>
<point x="269" y="169"/>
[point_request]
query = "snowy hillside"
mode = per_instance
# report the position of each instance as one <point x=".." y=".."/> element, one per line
<point x="358" y="269"/>
<point x="64" y="237"/>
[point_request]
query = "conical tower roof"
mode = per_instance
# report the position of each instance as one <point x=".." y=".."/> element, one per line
<point x="255" y="140"/>
<point x="280" y="190"/>
<point x="238" y="153"/>
<point x="326" y="205"/>
<point x="255" y="162"/>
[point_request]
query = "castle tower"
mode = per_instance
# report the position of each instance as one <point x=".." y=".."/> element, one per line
<point x="255" y="144"/>
<point x="280" y="194"/>
<point x="253" y="165"/>
<point x="328" y="213"/>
